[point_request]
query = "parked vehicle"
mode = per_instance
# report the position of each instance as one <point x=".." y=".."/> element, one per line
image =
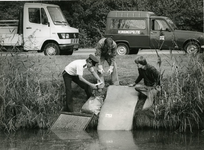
<point x="134" y="30"/>
<point x="41" y="27"/>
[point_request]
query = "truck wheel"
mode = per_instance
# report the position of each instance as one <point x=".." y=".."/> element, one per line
<point x="122" y="49"/>
<point x="192" y="47"/>
<point x="51" y="49"/>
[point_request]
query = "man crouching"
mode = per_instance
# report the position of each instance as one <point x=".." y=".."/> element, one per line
<point x="74" y="72"/>
<point x="151" y="78"/>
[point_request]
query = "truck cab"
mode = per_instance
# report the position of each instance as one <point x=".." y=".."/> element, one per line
<point x="42" y="27"/>
<point x="134" y="30"/>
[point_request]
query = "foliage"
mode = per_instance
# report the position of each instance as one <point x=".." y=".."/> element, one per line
<point x="91" y="21"/>
<point x="32" y="89"/>
<point x="187" y="14"/>
<point x="181" y="104"/>
<point x="28" y="102"/>
<point x="10" y="10"/>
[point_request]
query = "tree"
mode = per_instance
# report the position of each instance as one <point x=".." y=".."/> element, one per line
<point x="89" y="16"/>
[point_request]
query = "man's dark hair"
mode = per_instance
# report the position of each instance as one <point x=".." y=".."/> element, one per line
<point x="108" y="42"/>
<point x="141" y="60"/>
<point x="93" y="62"/>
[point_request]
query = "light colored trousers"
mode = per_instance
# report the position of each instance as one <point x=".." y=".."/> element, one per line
<point x="114" y="74"/>
<point x="150" y="92"/>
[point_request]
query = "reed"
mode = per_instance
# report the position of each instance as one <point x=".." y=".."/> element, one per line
<point x="32" y="92"/>
<point x="29" y="101"/>
<point x="180" y="105"/>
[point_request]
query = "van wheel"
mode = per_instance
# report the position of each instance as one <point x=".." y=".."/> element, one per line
<point x="192" y="47"/>
<point x="122" y="49"/>
<point x="51" y="49"/>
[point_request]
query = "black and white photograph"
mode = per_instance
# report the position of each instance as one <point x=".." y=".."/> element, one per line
<point x="101" y="75"/>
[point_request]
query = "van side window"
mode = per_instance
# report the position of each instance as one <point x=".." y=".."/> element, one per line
<point x="34" y="15"/>
<point x="44" y="19"/>
<point x="127" y="24"/>
<point x="159" y="25"/>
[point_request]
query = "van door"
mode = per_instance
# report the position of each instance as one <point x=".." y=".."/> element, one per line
<point x="36" y="29"/>
<point x="161" y="35"/>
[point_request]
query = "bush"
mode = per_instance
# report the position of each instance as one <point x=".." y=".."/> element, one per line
<point x="29" y="102"/>
<point x="181" y="104"/>
<point x="32" y="91"/>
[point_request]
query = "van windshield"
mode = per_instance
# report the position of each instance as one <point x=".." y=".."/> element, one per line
<point x="57" y="16"/>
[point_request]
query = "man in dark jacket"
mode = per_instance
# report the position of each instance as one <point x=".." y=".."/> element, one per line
<point x="151" y="78"/>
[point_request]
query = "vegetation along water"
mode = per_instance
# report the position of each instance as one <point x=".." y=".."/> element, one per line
<point x="32" y="91"/>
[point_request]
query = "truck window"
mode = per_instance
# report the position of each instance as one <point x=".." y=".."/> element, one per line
<point x="34" y="15"/>
<point x="127" y="24"/>
<point x="159" y="25"/>
<point x="56" y="15"/>
<point x="43" y="16"/>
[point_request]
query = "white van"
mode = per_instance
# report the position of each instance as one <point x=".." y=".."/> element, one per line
<point x="41" y="27"/>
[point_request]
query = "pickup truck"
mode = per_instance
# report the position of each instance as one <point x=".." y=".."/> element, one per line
<point x="134" y="30"/>
<point x="41" y="27"/>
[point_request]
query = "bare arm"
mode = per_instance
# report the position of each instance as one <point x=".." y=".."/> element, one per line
<point x="81" y="78"/>
<point x="95" y="74"/>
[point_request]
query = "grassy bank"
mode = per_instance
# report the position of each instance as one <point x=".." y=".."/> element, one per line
<point x="180" y="104"/>
<point x="32" y="91"/>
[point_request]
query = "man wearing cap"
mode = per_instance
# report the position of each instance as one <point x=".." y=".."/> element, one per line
<point x="106" y="51"/>
<point x="151" y="78"/>
<point x="74" y="72"/>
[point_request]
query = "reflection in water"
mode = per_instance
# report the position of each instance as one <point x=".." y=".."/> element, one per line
<point x="168" y="140"/>
<point x="71" y="135"/>
<point x="119" y="140"/>
<point x="100" y="140"/>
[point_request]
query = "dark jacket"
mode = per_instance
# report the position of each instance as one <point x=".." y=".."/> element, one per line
<point x="150" y="75"/>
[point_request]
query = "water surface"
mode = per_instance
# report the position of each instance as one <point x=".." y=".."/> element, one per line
<point x="101" y="140"/>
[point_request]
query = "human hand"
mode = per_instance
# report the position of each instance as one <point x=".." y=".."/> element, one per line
<point x="100" y="69"/>
<point x="100" y="85"/>
<point x="97" y="84"/>
<point x="110" y="70"/>
<point x="158" y="88"/>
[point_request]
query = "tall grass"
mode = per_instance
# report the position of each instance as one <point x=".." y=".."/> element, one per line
<point x="30" y="100"/>
<point x="32" y="92"/>
<point x="180" y="105"/>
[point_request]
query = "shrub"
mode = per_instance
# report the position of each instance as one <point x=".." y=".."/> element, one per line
<point x="29" y="102"/>
<point x="181" y="104"/>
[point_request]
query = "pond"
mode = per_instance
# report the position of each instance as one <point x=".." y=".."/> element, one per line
<point x="100" y="140"/>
